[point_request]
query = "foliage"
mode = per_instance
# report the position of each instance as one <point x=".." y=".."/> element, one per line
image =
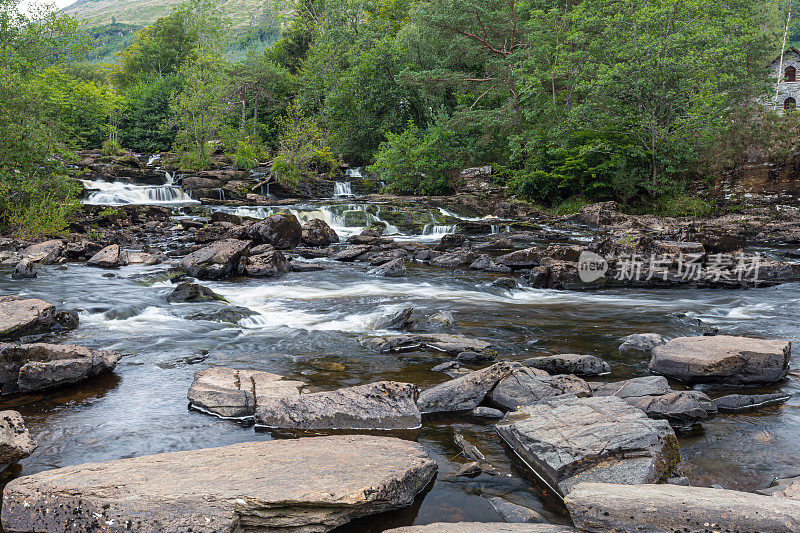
<point x="302" y="148"/>
<point x="145" y="113"/>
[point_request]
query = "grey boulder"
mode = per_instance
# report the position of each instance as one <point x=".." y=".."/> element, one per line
<point x="281" y="230"/>
<point x="20" y="317"/>
<point x="722" y="358"/>
<point x="112" y="256"/>
<point x="523" y="386"/>
<point x="640" y="343"/>
<point x="464" y="393"/>
<point x="267" y="264"/>
<point x="218" y="260"/>
<point x="386" y="405"/>
<point x="396" y="268"/>
<point x="15" y="441"/>
<point x="451" y="344"/>
<point x="34" y="367"/>
<point x="192" y="292"/>
<point x="570" y="363"/>
<point x="45" y="253"/>
<point x="308" y="484"/>
<point x="744" y="402"/>
<point x="24" y="270"/>
<point x="568" y="440"/>
<point x="317" y="232"/>
<point x="669" y="508"/>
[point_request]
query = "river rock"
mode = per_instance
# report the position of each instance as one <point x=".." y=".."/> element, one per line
<point x="722" y="358"/>
<point x="33" y="367"/>
<point x="487" y="412"/>
<point x="523" y="386"/>
<point x="307" y="484"/>
<point x="20" y="317"/>
<point x="400" y="320"/>
<point x="450" y="241"/>
<point x="24" y="270"/>
<point x="382" y="405"/>
<point x="669" y="508"/>
<point x="303" y="266"/>
<point x="231" y="393"/>
<point x="45" y="253"/>
<point x="317" y="232"/>
<point x="632" y="388"/>
<point x="218" y="260"/>
<point x="396" y="268"/>
<point x="474" y="357"/>
<point x="15" y="441"/>
<point x="452" y="344"/>
<point x="680" y="408"/>
<point x="222" y="216"/>
<point x="570" y="363"/>
<point x="528" y="258"/>
<point x="459" y="258"/>
<point x="443" y="319"/>
<point x="640" y="343"/>
<point x="743" y="402"/>
<point x="567" y="440"/>
<point x="464" y="393"/>
<point x="351" y="253"/>
<point x="268" y="264"/>
<point x="192" y="292"/>
<point x="281" y="230"/>
<point x="483" y="527"/>
<point x="112" y="256"/>
<point x="513" y="513"/>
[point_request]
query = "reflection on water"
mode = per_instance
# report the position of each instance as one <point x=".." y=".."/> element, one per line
<point x="306" y="317"/>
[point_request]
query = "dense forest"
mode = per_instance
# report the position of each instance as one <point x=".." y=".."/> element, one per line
<point x="569" y="101"/>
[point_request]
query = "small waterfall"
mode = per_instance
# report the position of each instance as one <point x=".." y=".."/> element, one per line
<point x="220" y="194"/>
<point x="153" y="159"/>
<point x="118" y="193"/>
<point x="354" y="172"/>
<point x="433" y="230"/>
<point x="263" y="191"/>
<point x="341" y="189"/>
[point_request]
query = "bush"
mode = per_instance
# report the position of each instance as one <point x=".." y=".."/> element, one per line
<point x="413" y="162"/>
<point x="32" y="206"/>
<point x="302" y="148"/>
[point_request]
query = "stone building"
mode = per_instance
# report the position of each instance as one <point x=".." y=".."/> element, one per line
<point x="788" y="93"/>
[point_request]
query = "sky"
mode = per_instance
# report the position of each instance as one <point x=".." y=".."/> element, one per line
<point x="59" y="3"/>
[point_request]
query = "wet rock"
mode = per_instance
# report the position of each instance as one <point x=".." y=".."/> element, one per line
<point x="219" y="260"/>
<point x="272" y="263"/>
<point x="632" y="388"/>
<point x="722" y="358"/>
<point x="515" y="514"/>
<point x="45" y="253"/>
<point x="474" y="357"/>
<point x="452" y="344"/>
<point x="15" y="441"/>
<point x="231" y="393"/>
<point x="568" y="440"/>
<point x="640" y="343"/>
<point x="487" y="412"/>
<point x="222" y="216"/>
<point x="369" y="237"/>
<point x="524" y="386"/>
<point x="302" y="266"/>
<point x="229" y="313"/>
<point x="450" y="241"/>
<point x="468" y="449"/>
<point x="460" y="258"/>
<point x="742" y="402"/>
<point x="569" y="363"/>
<point x="472" y="469"/>
<point x="192" y="292"/>
<point x="401" y="320"/>
<point x="442" y="319"/>
<point x="570" y="384"/>
<point x="24" y="270"/>
<point x="393" y="269"/>
<point x="680" y="408"/>
<point x="20" y="317"/>
<point x="34" y="367"/>
<point x="483" y="527"/>
<point x="351" y="253"/>
<point x="307" y="484"/>
<point x="144" y="258"/>
<point x="111" y="256"/>
<point x="317" y="232"/>
<point x="281" y="230"/>
<point x="382" y="405"/>
<point x="786" y="487"/>
<point x="520" y="259"/>
<point x="668" y="508"/>
<point x="495" y="245"/>
<point x="505" y="283"/>
<point x="601" y="214"/>
<point x="464" y="393"/>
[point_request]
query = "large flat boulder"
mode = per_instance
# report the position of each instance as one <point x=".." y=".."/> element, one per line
<point x="231" y="393"/>
<point x="483" y="527"/>
<point x="219" y="260"/>
<point x="568" y="440"/>
<point x="35" y="367"/>
<point x="452" y="344"/>
<point x="523" y="386"/>
<point x="281" y="230"/>
<point x="386" y="405"/>
<point x="669" y="508"/>
<point x="20" y="317"/>
<point x="15" y="441"/>
<point x="46" y="253"/>
<point x="722" y="358"/>
<point x="112" y="256"/>
<point x="570" y="363"/>
<point x="308" y="484"/>
<point x="464" y="393"/>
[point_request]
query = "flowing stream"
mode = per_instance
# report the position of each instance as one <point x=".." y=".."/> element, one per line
<point x="115" y="193"/>
<point x="303" y="319"/>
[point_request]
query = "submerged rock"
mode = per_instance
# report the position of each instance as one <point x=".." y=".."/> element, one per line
<point x="452" y="344"/>
<point x="317" y="232"/>
<point x="569" y="363"/>
<point x="15" y="441"/>
<point x="640" y="343"/>
<point x="483" y="527"/>
<point x="722" y="358"/>
<point x="307" y="484"/>
<point x="463" y="393"/>
<point x="668" y="508"/>
<point x="742" y="402"/>
<point x="33" y="367"/>
<point x="513" y="513"/>
<point x="218" y="260"/>
<point x="568" y="440"/>
<point x="111" y="256"/>
<point x="382" y="405"/>
<point x="443" y="319"/>
<point x="281" y="230"/>
<point x="192" y="292"/>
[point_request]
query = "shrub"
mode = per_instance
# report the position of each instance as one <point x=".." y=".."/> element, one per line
<point x="33" y="205"/>
<point x="302" y="148"/>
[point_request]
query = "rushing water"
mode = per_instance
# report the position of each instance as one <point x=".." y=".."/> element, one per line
<point x="118" y="193"/>
<point x="303" y="319"/>
<point x="341" y="189"/>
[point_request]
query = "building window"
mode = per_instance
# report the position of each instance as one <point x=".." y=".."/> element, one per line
<point x="791" y="74"/>
<point x="790" y="103"/>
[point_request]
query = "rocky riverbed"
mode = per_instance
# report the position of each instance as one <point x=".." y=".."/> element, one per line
<point x="487" y="362"/>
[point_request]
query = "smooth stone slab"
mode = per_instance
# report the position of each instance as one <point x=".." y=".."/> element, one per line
<point x="483" y="527"/>
<point x="744" y="402"/>
<point x="567" y="440"/>
<point x="308" y="484"/>
<point x="513" y="513"/>
<point x="20" y="317"/>
<point x="722" y="358"/>
<point x="570" y="363"/>
<point x="669" y="508"/>
<point x="464" y="393"/>
<point x="387" y="405"/>
<point x="452" y="344"/>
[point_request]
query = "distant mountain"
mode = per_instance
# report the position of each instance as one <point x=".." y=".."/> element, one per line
<point x="243" y="13"/>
